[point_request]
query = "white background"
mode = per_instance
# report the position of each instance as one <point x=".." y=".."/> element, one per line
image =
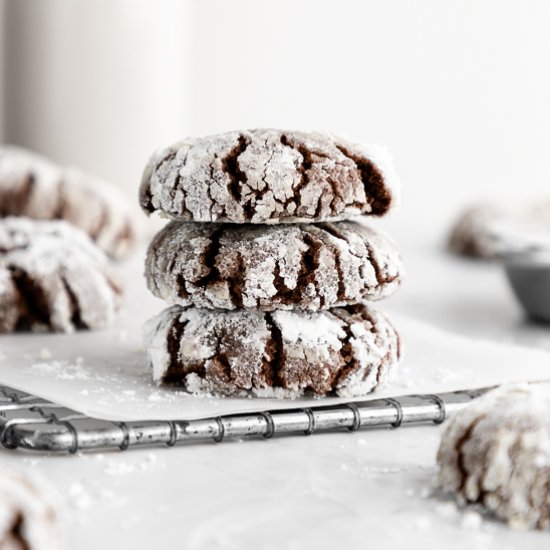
<point x="458" y="91"/>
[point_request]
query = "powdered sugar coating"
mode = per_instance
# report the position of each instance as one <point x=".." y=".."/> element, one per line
<point x="492" y="230"/>
<point x="32" y="186"/>
<point x="302" y="266"/>
<point x="345" y="351"/>
<point x="52" y="277"/>
<point x="496" y="453"/>
<point x="30" y="515"/>
<point x="268" y="176"/>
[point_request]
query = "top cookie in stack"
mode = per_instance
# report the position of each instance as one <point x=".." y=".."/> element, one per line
<point x="264" y="309"/>
<point x="268" y="176"/>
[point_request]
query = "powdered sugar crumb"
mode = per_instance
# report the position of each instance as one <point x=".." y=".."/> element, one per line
<point x="45" y="354"/>
<point x="64" y="370"/>
<point x="150" y="463"/>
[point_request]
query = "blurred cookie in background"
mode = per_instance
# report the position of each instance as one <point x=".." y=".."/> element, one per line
<point x="494" y="230"/>
<point x="32" y="186"/>
<point x="53" y="278"/>
<point x="30" y="513"/>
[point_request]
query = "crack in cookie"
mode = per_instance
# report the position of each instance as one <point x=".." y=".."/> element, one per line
<point x="302" y="266"/>
<point x="33" y="187"/>
<point x="268" y="176"/>
<point x="280" y="354"/>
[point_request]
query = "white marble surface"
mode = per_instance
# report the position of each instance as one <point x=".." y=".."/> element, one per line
<point x="345" y="490"/>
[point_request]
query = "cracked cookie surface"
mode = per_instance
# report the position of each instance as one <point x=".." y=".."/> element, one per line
<point x="344" y="351"/>
<point x="34" y="187"/>
<point x="291" y="266"/>
<point x="496" y="453"/>
<point x="268" y="176"/>
<point x="53" y="278"/>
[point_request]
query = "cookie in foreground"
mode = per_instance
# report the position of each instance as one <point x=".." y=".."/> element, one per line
<point x="53" y="278"/>
<point x="346" y="351"/>
<point x="268" y="176"/>
<point x="34" y="187"/>
<point x="291" y="266"/>
<point x="496" y="453"/>
<point x="30" y="513"/>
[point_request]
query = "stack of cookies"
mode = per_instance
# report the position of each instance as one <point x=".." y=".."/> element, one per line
<point x="267" y="266"/>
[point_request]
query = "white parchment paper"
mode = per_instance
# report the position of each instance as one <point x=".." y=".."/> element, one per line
<point x="105" y="374"/>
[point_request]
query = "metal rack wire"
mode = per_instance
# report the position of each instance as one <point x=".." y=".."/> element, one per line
<point x="35" y="424"/>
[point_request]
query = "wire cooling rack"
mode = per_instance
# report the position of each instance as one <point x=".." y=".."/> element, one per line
<point x="35" y="424"/>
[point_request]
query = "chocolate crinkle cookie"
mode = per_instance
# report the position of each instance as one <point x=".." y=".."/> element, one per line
<point x="30" y="513"/>
<point x="53" y="277"/>
<point x="496" y="453"/>
<point x="268" y="176"/>
<point x="32" y="186"/>
<point x="494" y="230"/>
<point x="346" y="351"/>
<point x="302" y="266"/>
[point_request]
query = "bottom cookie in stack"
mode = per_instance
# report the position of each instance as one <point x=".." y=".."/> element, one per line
<point x="346" y="351"/>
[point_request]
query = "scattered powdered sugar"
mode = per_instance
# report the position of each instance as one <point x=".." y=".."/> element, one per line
<point x="442" y="375"/>
<point x="45" y="354"/>
<point x="471" y="519"/>
<point x="381" y="470"/>
<point x="122" y="386"/>
<point x="84" y="495"/>
<point x="150" y="463"/>
<point x="423" y="522"/>
<point x="79" y="496"/>
<point x="64" y="370"/>
<point x="446" y="509"/>
<point x="32" y="461"/>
